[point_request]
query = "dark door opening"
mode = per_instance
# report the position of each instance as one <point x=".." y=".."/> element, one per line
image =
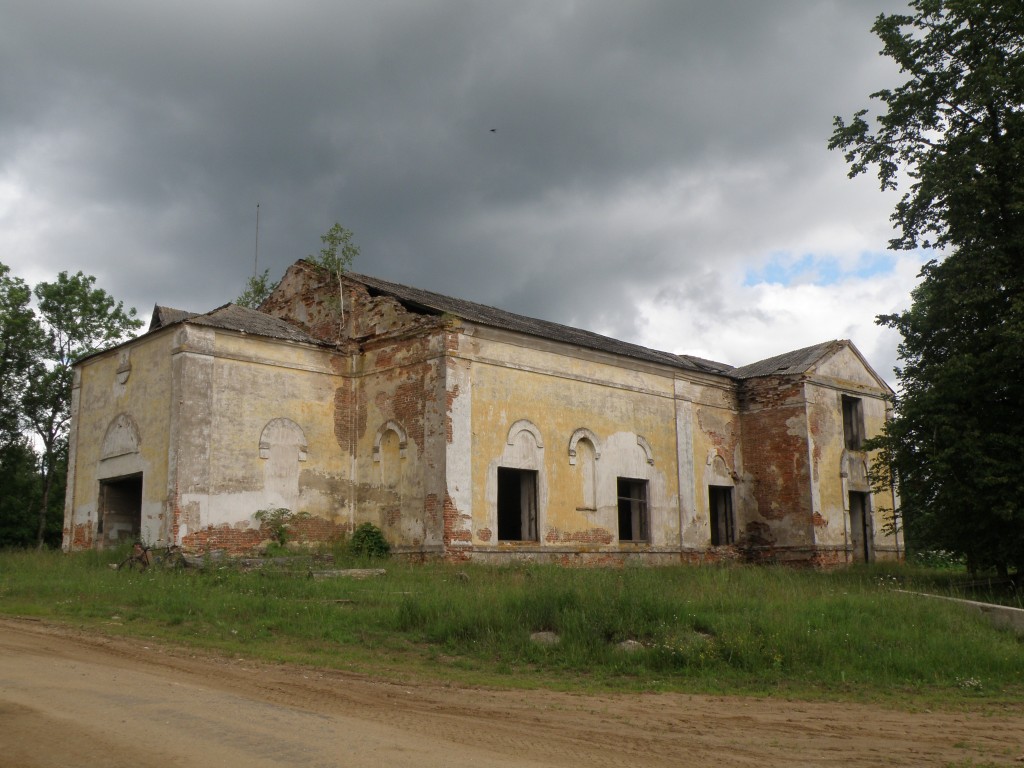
<point x="723" y="525"/>
<point x="860" y="527"/>
<point x="634" y="524"/>
<point x="120" y="509"/>
<point x="517" y="504"/>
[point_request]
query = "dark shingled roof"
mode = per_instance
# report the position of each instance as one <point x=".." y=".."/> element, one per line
<point x="167" y="316"/>
<point x="232" y="317"/>
<point x="498" y="318"/>
<point x="796" y="362"/>
<point x="236" y="318"/>
<point x="709" y="365"/>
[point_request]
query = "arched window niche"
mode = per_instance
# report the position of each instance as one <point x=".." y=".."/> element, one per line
<point x="584" y="451"/>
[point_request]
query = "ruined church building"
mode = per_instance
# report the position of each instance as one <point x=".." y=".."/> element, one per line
<point x="468" y="432"/>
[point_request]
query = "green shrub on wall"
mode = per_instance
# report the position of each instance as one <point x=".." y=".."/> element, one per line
<point x="277" y="522"/>
<point x="368" y="541"/>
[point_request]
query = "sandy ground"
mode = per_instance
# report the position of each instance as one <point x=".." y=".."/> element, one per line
<point x="68" y="698"/>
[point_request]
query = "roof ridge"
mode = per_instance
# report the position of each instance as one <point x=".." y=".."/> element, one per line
<point x="794" y="361"/>
<point x="503" y="318"/>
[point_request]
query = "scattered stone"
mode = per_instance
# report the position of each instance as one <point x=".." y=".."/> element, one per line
<point x="545" y="638"/>
<point x="348" y="573"/>
<point x="630" y="646"/>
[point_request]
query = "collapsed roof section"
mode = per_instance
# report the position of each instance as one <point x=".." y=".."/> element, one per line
<point x="436" y="303"/>
<point x="243" y="320"/>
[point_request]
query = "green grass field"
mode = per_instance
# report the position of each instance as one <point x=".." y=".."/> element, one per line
<point x="731" y="629"/>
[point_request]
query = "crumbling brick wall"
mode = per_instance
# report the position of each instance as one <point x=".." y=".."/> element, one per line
<point x="777" y="465"/>
<point x="389" y="358"/>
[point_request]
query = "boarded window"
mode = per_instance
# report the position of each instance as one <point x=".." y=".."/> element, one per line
<point x="723" y="525"/>
<point x="634" y="523"/>
<point x="853" y="422"/>
<point x="517" y="504"/>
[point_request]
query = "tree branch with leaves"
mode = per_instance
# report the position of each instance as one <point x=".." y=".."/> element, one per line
<point x="257" y="289"/>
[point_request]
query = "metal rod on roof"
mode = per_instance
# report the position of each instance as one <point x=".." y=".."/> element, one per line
<point x="256" y="257"/>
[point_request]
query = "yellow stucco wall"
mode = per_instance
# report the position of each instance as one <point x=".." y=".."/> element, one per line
<point x="836" y="471"/>
<point x="717" y="460"/>
<point x="623" y="419"/>
<point x="260" y="388"/>
<point x="101" y="396"/>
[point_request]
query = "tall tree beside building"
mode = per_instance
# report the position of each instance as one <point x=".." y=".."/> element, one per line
<point x="20" y="337"/>
<point x="952" y="136"/>
<point x="76" y="318"/>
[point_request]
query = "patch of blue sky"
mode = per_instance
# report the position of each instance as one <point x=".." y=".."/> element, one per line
<point x="785" y="269"/>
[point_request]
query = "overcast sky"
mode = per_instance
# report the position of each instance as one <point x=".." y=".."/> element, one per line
<point x="653" y="171"/>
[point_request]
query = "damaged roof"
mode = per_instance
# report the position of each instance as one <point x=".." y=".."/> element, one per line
<point x="789" y="363"/>
<point x="418" y="298"/>
<point x="244" y="320"/>
<point x="232" y="317"/>
<point x="163" y="316"/>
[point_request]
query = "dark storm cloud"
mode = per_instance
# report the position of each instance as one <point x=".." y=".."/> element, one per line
<point x="640" y="149"/>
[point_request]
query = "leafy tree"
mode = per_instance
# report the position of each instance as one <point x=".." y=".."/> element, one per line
<point x="338" y="251"/>
<point x="77" y="319"/>
<point x="20" y="339"/>
<point x="952" y="135"/>
<point x="257" y="288"/>
<point x="20" y="486"/>
<point x="336" y="256"/>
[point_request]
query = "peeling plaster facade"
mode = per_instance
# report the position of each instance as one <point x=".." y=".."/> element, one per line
<point x="466" y="432"/>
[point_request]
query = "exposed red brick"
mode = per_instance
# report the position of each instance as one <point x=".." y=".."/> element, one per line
<point x="457" y="538"/>
<point x="589" y="536"/>
<point x="316" y="530"/>
<point x="81" y="536"/>
<point x="775" y="454"/>
<point x="232" y="540"/>
<point x="345" y="419"/>
<point x="451" y="396"/>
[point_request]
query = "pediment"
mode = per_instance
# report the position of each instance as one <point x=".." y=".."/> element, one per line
<point x="846" y="366"/>
<point x="121" y="438"/>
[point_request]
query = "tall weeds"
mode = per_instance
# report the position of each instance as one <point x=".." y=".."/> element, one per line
<point x="724" y="629"/>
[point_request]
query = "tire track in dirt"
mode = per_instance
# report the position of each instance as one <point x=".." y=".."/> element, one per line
<point x="132" y="702"/>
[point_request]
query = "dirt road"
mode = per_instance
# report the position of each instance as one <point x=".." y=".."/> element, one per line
<point x="75" y="699"/>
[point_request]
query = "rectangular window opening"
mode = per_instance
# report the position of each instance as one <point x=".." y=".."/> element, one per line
<point x="517" y="504"/>
<point x="853" y="422"/>
<point x="723" y="524"/>
<point x="634" y="523"/>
